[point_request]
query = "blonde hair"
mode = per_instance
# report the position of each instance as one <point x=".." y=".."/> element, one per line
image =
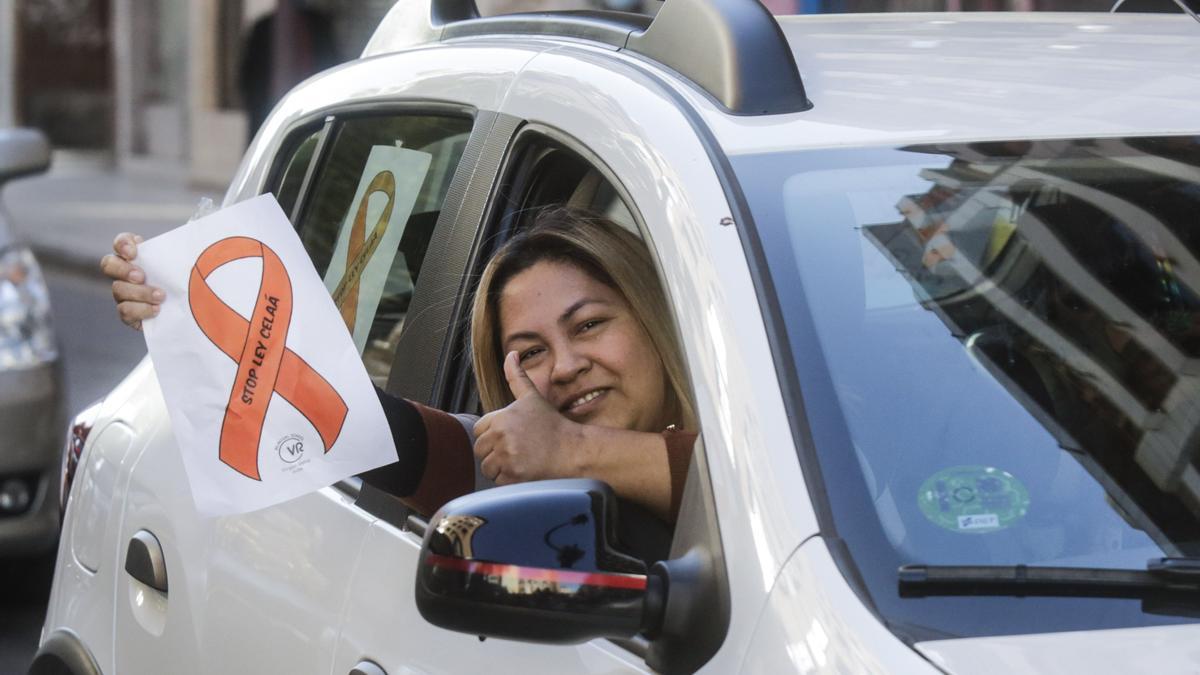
<point x="603" y="250"/>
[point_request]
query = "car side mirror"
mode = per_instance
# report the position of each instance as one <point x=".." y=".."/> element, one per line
<point x="22" y="152"/>
<point x="535" y="562"/>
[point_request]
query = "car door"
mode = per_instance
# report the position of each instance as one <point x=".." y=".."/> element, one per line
<point x="265" y="591"/>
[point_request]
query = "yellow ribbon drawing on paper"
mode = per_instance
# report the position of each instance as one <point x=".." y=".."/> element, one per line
<point x="362" y="246"/>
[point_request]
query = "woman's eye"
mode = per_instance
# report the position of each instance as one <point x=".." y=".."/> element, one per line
<point x="529" y="353"/>
<point x="590" y="324"/>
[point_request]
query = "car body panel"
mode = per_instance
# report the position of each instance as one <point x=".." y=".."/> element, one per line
<point x="1162" y="649"/>
<point x="813" y="623"/>
<point x="82" y="599"/>
<point x="98" y="497"/>
<point x="886" y="80"/>
<point x="268" y="569"/>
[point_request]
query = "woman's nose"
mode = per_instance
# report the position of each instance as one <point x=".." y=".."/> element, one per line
<point x="569" y="363"/>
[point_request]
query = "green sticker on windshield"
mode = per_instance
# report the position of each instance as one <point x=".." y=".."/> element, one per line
<point x="973" y="499"/>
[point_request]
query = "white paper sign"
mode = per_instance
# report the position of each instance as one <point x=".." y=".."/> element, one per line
<point x="371" y="232"/>
<point x="266" y="393"/>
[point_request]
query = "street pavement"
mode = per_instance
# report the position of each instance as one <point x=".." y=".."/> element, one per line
<point x="71" y="214"/>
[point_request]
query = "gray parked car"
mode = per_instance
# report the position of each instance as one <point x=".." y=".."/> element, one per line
<point x="30" y="389"/>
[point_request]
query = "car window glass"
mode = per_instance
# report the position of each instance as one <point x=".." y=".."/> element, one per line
<point x="369" y="217"/>
<point x="292" y="170"/>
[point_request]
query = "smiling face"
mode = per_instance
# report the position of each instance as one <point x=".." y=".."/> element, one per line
<point x="582" y="346"/>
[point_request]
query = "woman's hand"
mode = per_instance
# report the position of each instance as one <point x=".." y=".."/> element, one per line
<point x="135" y="300"/>
<point x="528" y="439"/>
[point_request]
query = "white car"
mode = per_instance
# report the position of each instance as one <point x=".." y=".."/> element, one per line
<point x="936" y="277"/>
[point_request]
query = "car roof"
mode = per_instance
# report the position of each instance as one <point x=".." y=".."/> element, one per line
<point x="885" y="79"/>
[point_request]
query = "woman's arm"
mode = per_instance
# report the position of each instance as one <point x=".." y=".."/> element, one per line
<point x="646" y="468"/>
<point x="433" y="456"/>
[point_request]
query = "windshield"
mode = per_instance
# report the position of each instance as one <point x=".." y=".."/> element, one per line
<point x="998" y="350"/>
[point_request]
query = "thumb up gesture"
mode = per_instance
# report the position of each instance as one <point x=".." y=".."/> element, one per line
<point x="528" y="439"/>
<point x="518" y="380"/>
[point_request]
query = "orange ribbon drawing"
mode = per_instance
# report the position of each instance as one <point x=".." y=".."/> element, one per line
<point x="259" y="346"/>
<point x="361" y="248"/>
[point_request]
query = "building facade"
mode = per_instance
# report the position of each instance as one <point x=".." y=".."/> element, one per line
<point x="175" y="87"/>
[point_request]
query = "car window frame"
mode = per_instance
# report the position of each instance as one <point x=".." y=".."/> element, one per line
<point x="325" y="122"/>
<point x="324" y="119"/>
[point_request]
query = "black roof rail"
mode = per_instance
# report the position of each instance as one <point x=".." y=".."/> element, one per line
<point x="732" y="49"/>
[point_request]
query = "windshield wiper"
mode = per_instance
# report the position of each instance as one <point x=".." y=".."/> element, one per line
<point x="1161" y="576"/>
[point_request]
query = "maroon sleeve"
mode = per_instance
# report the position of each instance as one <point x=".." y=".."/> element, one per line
<point x="449" y="462"/>
<point x="679" y="457"/>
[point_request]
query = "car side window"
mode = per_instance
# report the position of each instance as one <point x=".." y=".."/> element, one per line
<point x="367" y="215"/>
<point x="547" y="174"/>
<point x="292" y="167"/>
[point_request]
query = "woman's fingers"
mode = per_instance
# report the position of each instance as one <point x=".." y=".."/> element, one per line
<point x="125" y="245"/>
<point x="483" y="424"/>
<point x="116" y="268"/>
<point x="133" y="313"/>
<point x="495" y="462"/>
<point x="495" y="472"/>
<point x="491" y="465"/>
<point x="488" y="468"/>
<point x="124" y="291"/>
<point x="135" y="300"/>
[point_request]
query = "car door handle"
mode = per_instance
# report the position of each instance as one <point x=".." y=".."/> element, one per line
<point x="368" y="668"/>
<point x="144" y="561"/>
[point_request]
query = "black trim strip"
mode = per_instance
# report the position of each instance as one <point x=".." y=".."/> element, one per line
<point x="318" y="156"/>
<point x="477" y="199"/>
